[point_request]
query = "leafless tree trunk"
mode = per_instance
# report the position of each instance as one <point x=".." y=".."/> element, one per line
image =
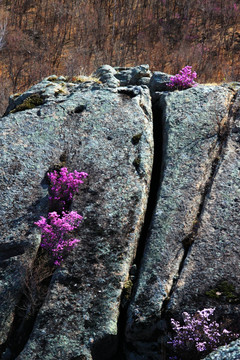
<point x="3" y="28"/>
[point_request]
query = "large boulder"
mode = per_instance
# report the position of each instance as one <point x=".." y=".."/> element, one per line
<point x="158" y="83"/>
<point x="194" y="125"/>
<point x="107" y="134"/>
<point x="210" y="273"/>
<point x="123" y="76"/>
<point x="145" y="254"/>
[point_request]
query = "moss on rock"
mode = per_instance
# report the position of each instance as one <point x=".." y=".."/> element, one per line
<point x="29" y="103"/>
<point x="224" y="291"/>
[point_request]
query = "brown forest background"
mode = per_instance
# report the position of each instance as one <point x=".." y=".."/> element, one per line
<point x="73" y="37"/>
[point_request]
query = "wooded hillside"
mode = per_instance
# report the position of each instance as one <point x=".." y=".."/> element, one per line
<point x="76" y="36"/>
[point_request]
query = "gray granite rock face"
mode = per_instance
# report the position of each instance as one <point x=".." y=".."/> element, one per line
<point x="210" y="276"/>
<point x="192" y="122"/>
<point x="89" y="129"/>
<point x="158" y="83"/>
<point x="228" y="352"/>
<point x="106" y="75"/>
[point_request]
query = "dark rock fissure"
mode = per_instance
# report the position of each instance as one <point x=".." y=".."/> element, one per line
<point x="7" y="251"/>
<point x="155" y="186"/>
<point x="36" y="284"/>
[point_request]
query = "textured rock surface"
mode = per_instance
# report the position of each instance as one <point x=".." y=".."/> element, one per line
<point x="47" y="90"/>
<point x="106" y="75"/>
<point x="123" y="76"/>
<point x="91" y="130"/>
<point x="158" y="83"/>
<point x="228" y="352"/>
<point x="215" y="253"/>
<point x="210" y="276"/>
<point x="192" y="121"/>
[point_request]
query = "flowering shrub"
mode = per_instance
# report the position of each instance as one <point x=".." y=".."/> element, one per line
<point x="199" y="334"/>
<point x="63" y="186"/>
<point x="55" y="231"/>
<point x="184" y="80"/>
<point x="56" y="228"/>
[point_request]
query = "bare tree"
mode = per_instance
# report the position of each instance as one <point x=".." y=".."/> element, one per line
<point x="3" y="27"/>
<point x="63" y="37"/>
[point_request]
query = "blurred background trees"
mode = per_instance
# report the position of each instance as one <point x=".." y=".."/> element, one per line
<point x="42" y="37"/>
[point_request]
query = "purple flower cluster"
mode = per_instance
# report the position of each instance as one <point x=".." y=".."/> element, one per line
<point x="64" y="185"/>
<point x="184" y="80"/>
<point x="56" y="228"/>
<point x="199" y="332"/>
<point x="54" y="233"/>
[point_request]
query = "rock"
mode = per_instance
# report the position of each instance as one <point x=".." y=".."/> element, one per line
<point x="23" y="198"/>
<point x="89" y="130"/>
<point x="228" y="352"/>
<point x="130" y="90"/>
<point x="51" y="89"/>
<point x="144" y="81"/>
<point x="124" y="76"/>
<point x="215" y="253"/>
<point x="31" y="98"/>
<point x="139" y="75"/>
<point x="106" y="74"/>
<point x="191" y="121"/>
<point x="136" y="265"/>
<point x="105" y="69"/>
<point x="158" y="83"/>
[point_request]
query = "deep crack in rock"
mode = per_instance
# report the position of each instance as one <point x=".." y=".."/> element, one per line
<point x="152" y="200"/>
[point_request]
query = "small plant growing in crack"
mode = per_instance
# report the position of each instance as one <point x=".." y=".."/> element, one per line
<point x="55" y="230"/>
<point x="184" y="80"/>
<point x="198" y="336"/>
<point x="35" y="282"/>
<point x="63" y="186"/>
<point x="60" y="223"/>
<point x="57" y="240"/>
